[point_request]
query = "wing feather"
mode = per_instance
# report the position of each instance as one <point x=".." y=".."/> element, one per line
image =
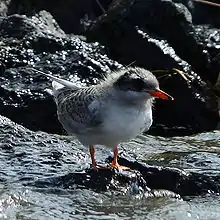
<point x="79" y="110"/>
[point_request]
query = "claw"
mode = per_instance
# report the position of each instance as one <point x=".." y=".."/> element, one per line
<point x="118" y="167"/>
<point x="114" y="164"/>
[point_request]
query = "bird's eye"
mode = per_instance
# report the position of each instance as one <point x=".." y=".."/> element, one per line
<point x="138" y="84"/>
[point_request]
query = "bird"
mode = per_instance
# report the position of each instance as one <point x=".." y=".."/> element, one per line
<point x="115" y="110"/>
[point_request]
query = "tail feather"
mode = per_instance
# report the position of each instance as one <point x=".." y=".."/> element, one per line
<point x="57" y="82"/>
<point x="56" y="85"/>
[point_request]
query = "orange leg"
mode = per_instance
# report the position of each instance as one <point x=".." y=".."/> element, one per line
<point x="115" y="164"/>
<point x="94" y="164"/>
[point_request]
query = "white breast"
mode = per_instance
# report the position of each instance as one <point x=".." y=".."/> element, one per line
<point x="124" y="123"/>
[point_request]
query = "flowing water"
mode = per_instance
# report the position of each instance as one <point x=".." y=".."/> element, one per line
<point x="29" y="160"/>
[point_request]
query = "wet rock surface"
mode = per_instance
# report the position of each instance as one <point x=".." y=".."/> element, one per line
<point x="204" y="13"/>
<point x="40" y="42"/>
<point x="72" y="16"/>
<point x="186" y="65"/>
<point x="39" y="165"/>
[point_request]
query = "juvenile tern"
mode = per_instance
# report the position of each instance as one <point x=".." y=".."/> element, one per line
<point x="113" y="111"/>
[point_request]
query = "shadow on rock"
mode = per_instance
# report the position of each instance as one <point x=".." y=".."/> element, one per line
<point x="146" y="181"/>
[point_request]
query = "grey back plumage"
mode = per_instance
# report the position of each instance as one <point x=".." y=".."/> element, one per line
<point x="78" y="110"/>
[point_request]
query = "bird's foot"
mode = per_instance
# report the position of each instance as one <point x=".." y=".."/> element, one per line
<point x="118" y="167"/>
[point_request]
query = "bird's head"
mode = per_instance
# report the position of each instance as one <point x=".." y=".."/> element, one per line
<point x="137" y="84"/>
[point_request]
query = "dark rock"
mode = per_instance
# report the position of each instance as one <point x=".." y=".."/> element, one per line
<point x="205" y="12"/>
<point x="159" y="20"/>
<point x="41" y="160"/>
<point x="39" y="41"/>
<point x="75" y="16"/>
<point x="210" y="39"/>
<point x="72" y="16"/>
<point x="175" y="180"/>
<point x="146" y="32"/>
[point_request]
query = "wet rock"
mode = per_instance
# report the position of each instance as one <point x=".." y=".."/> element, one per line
<point x="210" y="39"/>
<point x="42" y="160"/>
<point x="160" y="35"/>
<point x="205" y="12"/>
<point x="72" y="16"/>
<point x="159" y="20"/>
<point x="40" y="42"/>
<point x="176" y="180"/>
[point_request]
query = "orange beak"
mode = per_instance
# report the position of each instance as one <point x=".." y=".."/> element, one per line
<point x="160" y="94"/>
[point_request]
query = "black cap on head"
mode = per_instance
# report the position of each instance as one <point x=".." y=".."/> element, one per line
<point x="136" y="79"/>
